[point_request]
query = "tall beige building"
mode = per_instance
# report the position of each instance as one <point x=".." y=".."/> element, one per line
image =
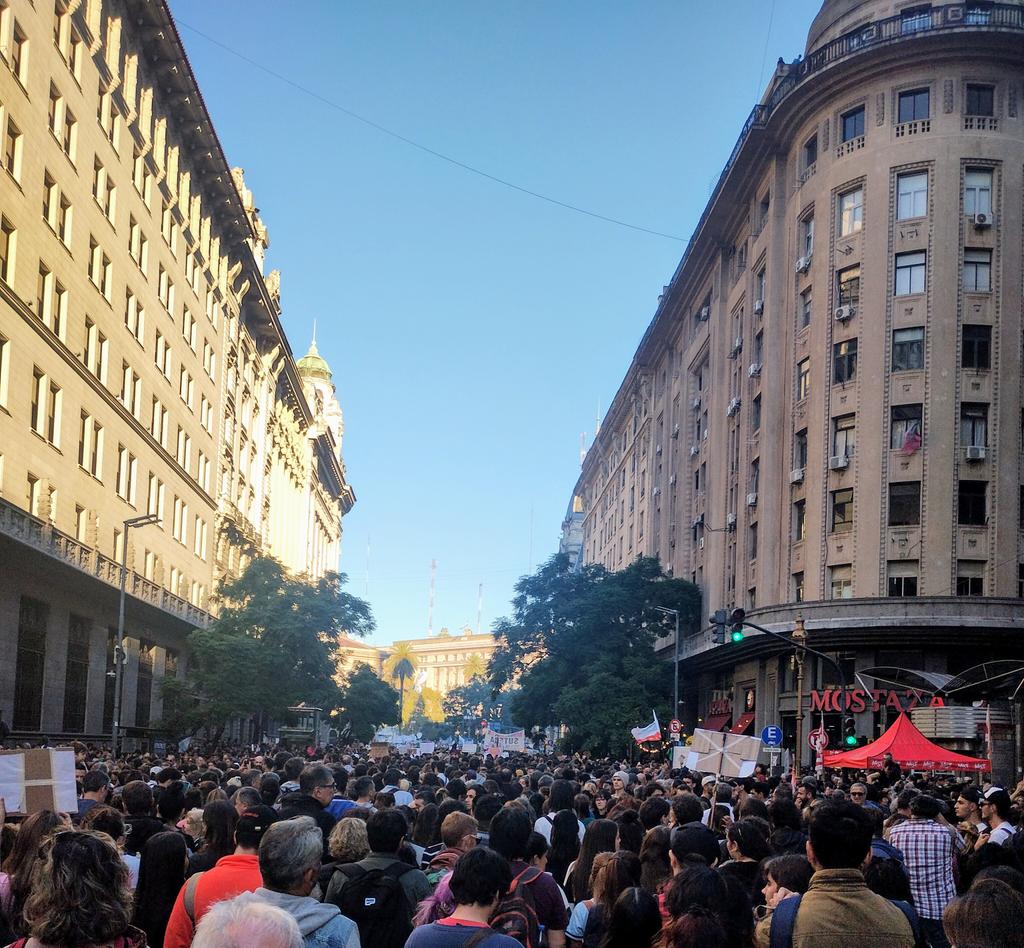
<point x="143" y="369"/>
<point x="824" y="415"/>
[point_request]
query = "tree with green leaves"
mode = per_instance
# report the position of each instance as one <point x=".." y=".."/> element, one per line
<point x="367" y="702"/>
<point x="273" y="644"/>
<point x="580" y="647"/>
<point x="401" y="664"/>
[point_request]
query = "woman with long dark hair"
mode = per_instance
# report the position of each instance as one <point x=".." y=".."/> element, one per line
<point x="635" y="920"/>
<point x="621" y="872"/>
<point x="219" y="818"/>
<point x="22" y="860"/>
<point x="747" y="846"/>
<point x="599" y="838"/>
<point x="565" y="844"/>
<point x="655" y="866"/>
<point x="161" y="876"/>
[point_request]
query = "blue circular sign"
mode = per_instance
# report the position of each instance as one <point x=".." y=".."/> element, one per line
<point x="771" y="736"/>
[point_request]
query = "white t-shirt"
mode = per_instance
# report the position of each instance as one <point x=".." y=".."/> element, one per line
<point x="544" y="824"/>
<point x="1002" y="834"/>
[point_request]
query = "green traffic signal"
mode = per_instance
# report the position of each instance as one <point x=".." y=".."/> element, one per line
<point x="737" y="635"/>
<point x="851" y="740"/>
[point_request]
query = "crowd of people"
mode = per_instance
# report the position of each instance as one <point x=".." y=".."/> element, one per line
<point x="334" y="849"/>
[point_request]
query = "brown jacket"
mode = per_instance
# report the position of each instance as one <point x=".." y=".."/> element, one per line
<point x="839" y="909"/>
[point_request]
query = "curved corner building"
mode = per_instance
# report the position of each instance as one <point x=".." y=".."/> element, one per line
<point x="824" y="417"/>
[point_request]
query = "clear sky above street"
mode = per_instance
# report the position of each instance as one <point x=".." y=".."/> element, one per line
<point x="474" y="330"/>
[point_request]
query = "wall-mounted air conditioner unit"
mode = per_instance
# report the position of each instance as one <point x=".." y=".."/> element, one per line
<point x="675" y="431"/>
<point x="844" y="313"/>
<point x="705" y="314"/>
<point x="975" y="452"/>
<point x="694" y="450"/>
<point x="803" y="264"/>
<point x="982" y="221"/>
<point x="734" y="406"/>
<point x="752" y="499"/>
<point x="754" y="370"/>
<point x="758" y="307"/>
<point x="730" y="521"/>
<point x="838" y="462"/>
<point x="796" y="475"/>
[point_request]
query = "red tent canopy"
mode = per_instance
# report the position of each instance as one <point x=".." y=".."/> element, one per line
<point x="909" y="748"/>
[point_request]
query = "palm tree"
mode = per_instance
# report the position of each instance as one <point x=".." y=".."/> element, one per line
<point x="401" y="664"/>
<point x="476" y="667"/>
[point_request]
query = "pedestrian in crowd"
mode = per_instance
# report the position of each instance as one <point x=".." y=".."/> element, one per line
<point x="219" y="821"/>
<point x="234" y="924"/>
<point x="989" y="915"/>
<point x="634" y="920"/>
<point x="105" y="819"/>
<point x="315" y="793"/>
<point x="790" y="872"/>
<point x="246" y="798"/>
<point x="599" y="838"/>
<point x="161" y="875"/>
<point x="80" y="895"/>
<point x="95" y="792"/>
<point x="747" y="847"/>
<point x="239" y="872"/>
<point x="565" y="844"/>
<point x="289" y="858"/>
<point x="629" y="831"/>
<point x="140" y="824"/>
<point x="655" y="866"/>
<point x="427" y="831"/>
<point x="995" y="810"/>
<point x="348" y="843"/>
<point x="458" y="833"/>
<point x="621" y="871"/>
<point x="23" y="859"/>
<point x="560" y="797"/>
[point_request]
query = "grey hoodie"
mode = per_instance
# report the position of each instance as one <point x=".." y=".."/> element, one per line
<point x="322" y="924"/>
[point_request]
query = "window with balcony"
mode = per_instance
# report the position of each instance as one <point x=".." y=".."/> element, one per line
<point x="973" y="424"/>
<point x="842" y="510"/>
<point x="852" y="124"/>
<point x="980" y="100"/>
<point x="976" y="352"/>
<point x="913" y="106"/>
<point x="915" y="19"/>
<point x="905" y="428"/>
<point x="905" y="504"/>
<point x="844" y="361"/>
<point x="977" y="275"/>
<point x="910" y="273"/>
<point x="911" y="195"/>
<point x="972" y="509"/>
<point x="908" y="349"/>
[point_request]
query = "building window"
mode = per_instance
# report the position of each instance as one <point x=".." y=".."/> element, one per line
<point x="977" y="347"/>
<point x="752" y="542"/>
<point x="1020" y="580"/>
<point x="76" y="675"/>
<point x="917" y="18"/>
<point x="755" y="414"/>
<point x="977" y="271"/>
<point x="798" y="587"/>
<point x="973" y="425"/>
<point x="842" y="510"/>
<point x="46" y="405"/>
<point x="800" y="449"/>
<point x="803" y="379"/>
<point x="841" y="580"/>
<point x="908" y="349"/>
<point x="905" y="504"/>
<point x="807" y="234"/>
<point x="131" y="389"/>
<point x="852" y="124"/>
<point x="844" y="361"/>
<point x="805" y="308"/>
<point x="127" y="474"/>
<point x="970" y="577"/>
<point x="913" y="106"/>
<point x="12" y="149"/>
<point x="980" y="100"/>
<point x="844" y="435"/>
<point x="910" y="273"/>
<point x="848" y="288"/>
<point x="903" y="578"/>
<point x="5" y="369"/>
<point x="851" y="212"/>
<point x="905" y="429"/>
<point x="978" y="191"/>
<point x="8" y="239"/>
<point x="971" y="506"/>
<point x="912" y="195"/>
<point x="18" y="54"/>
<point x="90" y="445"/>
<point x="162" y="355"/>
<point x="810" y="151"/>
<point x="134" y="317"/>
<point x="28" y="672"/>
<point x="156" y="498"/>
<point x="799" y="521"/>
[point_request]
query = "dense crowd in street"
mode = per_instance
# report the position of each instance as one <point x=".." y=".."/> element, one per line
<point x="333" y="849"/>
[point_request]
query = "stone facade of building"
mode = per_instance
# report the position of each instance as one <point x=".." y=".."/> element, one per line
<point x="824" y="414"/>
<point x="143" y="369"/>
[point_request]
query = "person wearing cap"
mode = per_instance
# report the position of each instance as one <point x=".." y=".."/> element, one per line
<point x="968" y="814"/>
<point x="928" y="848"/>
<point x="995" y="810"/>
<point x="620" y="781"/>
<point x="239" y="872"/>
<point x="707" y="791"/>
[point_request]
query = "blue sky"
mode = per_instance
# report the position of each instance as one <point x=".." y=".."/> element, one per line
<point x="473" y="330"/>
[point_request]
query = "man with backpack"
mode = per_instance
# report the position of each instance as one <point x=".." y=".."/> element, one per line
<point x="534" y="900"/>
<point x="478" y="883"/>
<point x="838" y="908"/>
<point x="381" y="892"/>
<point x="458" y="833"/>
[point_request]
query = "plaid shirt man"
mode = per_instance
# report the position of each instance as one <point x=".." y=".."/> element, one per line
<point x="928" y="849"/>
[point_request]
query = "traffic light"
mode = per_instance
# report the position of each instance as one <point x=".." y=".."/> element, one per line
<point x="736" y="625"/>
<point x="849" y="732"/>
<point x="719" y="620"/>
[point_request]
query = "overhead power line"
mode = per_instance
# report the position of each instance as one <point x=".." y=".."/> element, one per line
<point x="384" y="130"/>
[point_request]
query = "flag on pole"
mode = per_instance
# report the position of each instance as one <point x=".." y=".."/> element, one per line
<point x="652" y="732"/>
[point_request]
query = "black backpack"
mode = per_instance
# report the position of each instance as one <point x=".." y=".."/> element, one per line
<point x="515" y="914"/>
<point x="375" y="900"/>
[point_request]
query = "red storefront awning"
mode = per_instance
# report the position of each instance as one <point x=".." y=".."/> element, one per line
<point x="716" y="722"/>
<point x="744" y="724"/>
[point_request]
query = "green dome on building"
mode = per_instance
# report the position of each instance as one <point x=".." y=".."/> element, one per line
<point x="313" y="365"/>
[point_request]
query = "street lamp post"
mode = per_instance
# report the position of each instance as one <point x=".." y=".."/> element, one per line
<point x="119" y="656"/>
<point x="675" y="659"/>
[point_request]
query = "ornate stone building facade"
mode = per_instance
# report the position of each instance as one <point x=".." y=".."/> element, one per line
<point x="824" y="416"/>
<point x="143" y="369"/>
